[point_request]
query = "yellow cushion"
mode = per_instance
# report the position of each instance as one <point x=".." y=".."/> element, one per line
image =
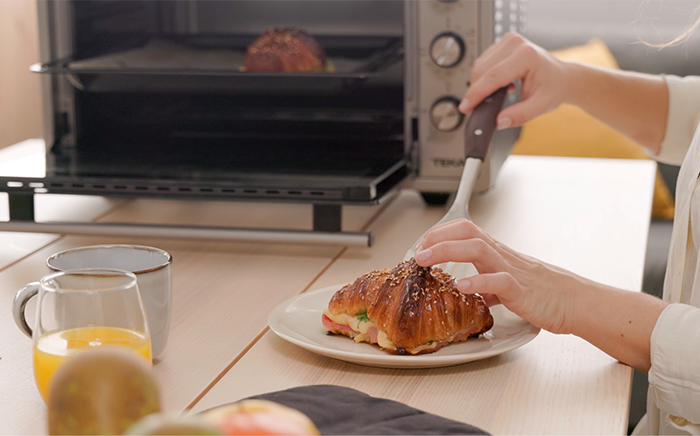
<point x="569" y="131"/>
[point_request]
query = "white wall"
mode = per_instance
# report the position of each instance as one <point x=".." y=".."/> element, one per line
<point x="20" y="99"/>
<point x="622" y="24"/>
<point x="656" y="20"/>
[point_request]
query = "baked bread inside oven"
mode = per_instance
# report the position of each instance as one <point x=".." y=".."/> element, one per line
<point x="285" y="49"/>
<point x="407" y="309"/>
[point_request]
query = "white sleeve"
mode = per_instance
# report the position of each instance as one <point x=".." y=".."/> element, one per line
<point x="683" y="118"/>
<point x="674" y="376"/>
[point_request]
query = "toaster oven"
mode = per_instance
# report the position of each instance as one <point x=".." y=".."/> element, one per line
<point x="149" y="98"/>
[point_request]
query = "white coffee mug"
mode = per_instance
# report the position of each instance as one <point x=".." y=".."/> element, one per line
<point x="150" y="265"/>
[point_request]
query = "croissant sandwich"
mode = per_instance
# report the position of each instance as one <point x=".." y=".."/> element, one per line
<point x="407" y="310"/>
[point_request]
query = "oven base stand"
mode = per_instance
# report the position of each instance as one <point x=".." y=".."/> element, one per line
<point x="327" y="223"/>
<point x="21" y="206"/>
<point x="328" y="217"/>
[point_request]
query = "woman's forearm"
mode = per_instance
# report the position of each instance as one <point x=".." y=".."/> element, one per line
<point x="618" y="322"/>
<point x="634" y="104"/>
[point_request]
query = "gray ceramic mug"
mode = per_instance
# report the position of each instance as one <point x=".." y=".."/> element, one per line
<point x="150" y="265"/>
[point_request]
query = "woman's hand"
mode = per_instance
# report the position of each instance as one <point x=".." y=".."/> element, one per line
<point x="540" y="293"/>
<point x="544" y="79"/>
<point x="618" y="322"/>
<point x="634" y="104"/>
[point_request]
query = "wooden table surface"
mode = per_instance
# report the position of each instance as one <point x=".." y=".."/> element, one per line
<point x="588" y="215"/>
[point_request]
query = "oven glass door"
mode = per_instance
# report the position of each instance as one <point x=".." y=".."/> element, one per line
<point x="160" y="103"/>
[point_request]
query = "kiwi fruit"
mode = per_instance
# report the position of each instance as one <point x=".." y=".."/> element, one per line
<point x="102" y="390"/>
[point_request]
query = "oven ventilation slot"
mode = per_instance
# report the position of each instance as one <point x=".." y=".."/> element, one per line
<point x="140" y="190"/>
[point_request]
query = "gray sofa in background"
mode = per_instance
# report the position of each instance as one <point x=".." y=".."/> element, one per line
<point x="622" y="25"/>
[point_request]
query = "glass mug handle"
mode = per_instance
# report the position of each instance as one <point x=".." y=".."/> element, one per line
<point x="20" y="303"/>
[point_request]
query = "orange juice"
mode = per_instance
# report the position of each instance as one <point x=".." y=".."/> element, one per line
<point x="54" y="348"/>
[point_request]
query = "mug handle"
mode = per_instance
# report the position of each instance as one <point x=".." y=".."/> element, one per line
<point x="20" y="303"/>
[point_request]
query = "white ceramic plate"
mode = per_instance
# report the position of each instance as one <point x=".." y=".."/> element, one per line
<point x="298" y="320"/>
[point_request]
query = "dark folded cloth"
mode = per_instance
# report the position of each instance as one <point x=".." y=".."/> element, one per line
<point x="340" y="410"/>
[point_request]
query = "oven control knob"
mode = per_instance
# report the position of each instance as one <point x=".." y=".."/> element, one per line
<point x="445" y="114"/>
<point x="447" y="49"/>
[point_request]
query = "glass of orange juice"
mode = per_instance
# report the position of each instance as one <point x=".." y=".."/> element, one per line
<point x="79" y="309"/>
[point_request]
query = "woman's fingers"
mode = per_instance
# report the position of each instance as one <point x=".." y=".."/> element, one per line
<point x="495" y="54"/>
<point x="451" y="231"/>
<point x="475" y="251"/>
<point x="495" y="287"/>
<point x="497" y="46"/>
<point x="515" y="58"/>
<point x="539" y="293"/>
<point x="505" y="72"/>
<point x="519" y="113"/>
<point x="490" y="299"/>
<point x="463" y="229"/>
